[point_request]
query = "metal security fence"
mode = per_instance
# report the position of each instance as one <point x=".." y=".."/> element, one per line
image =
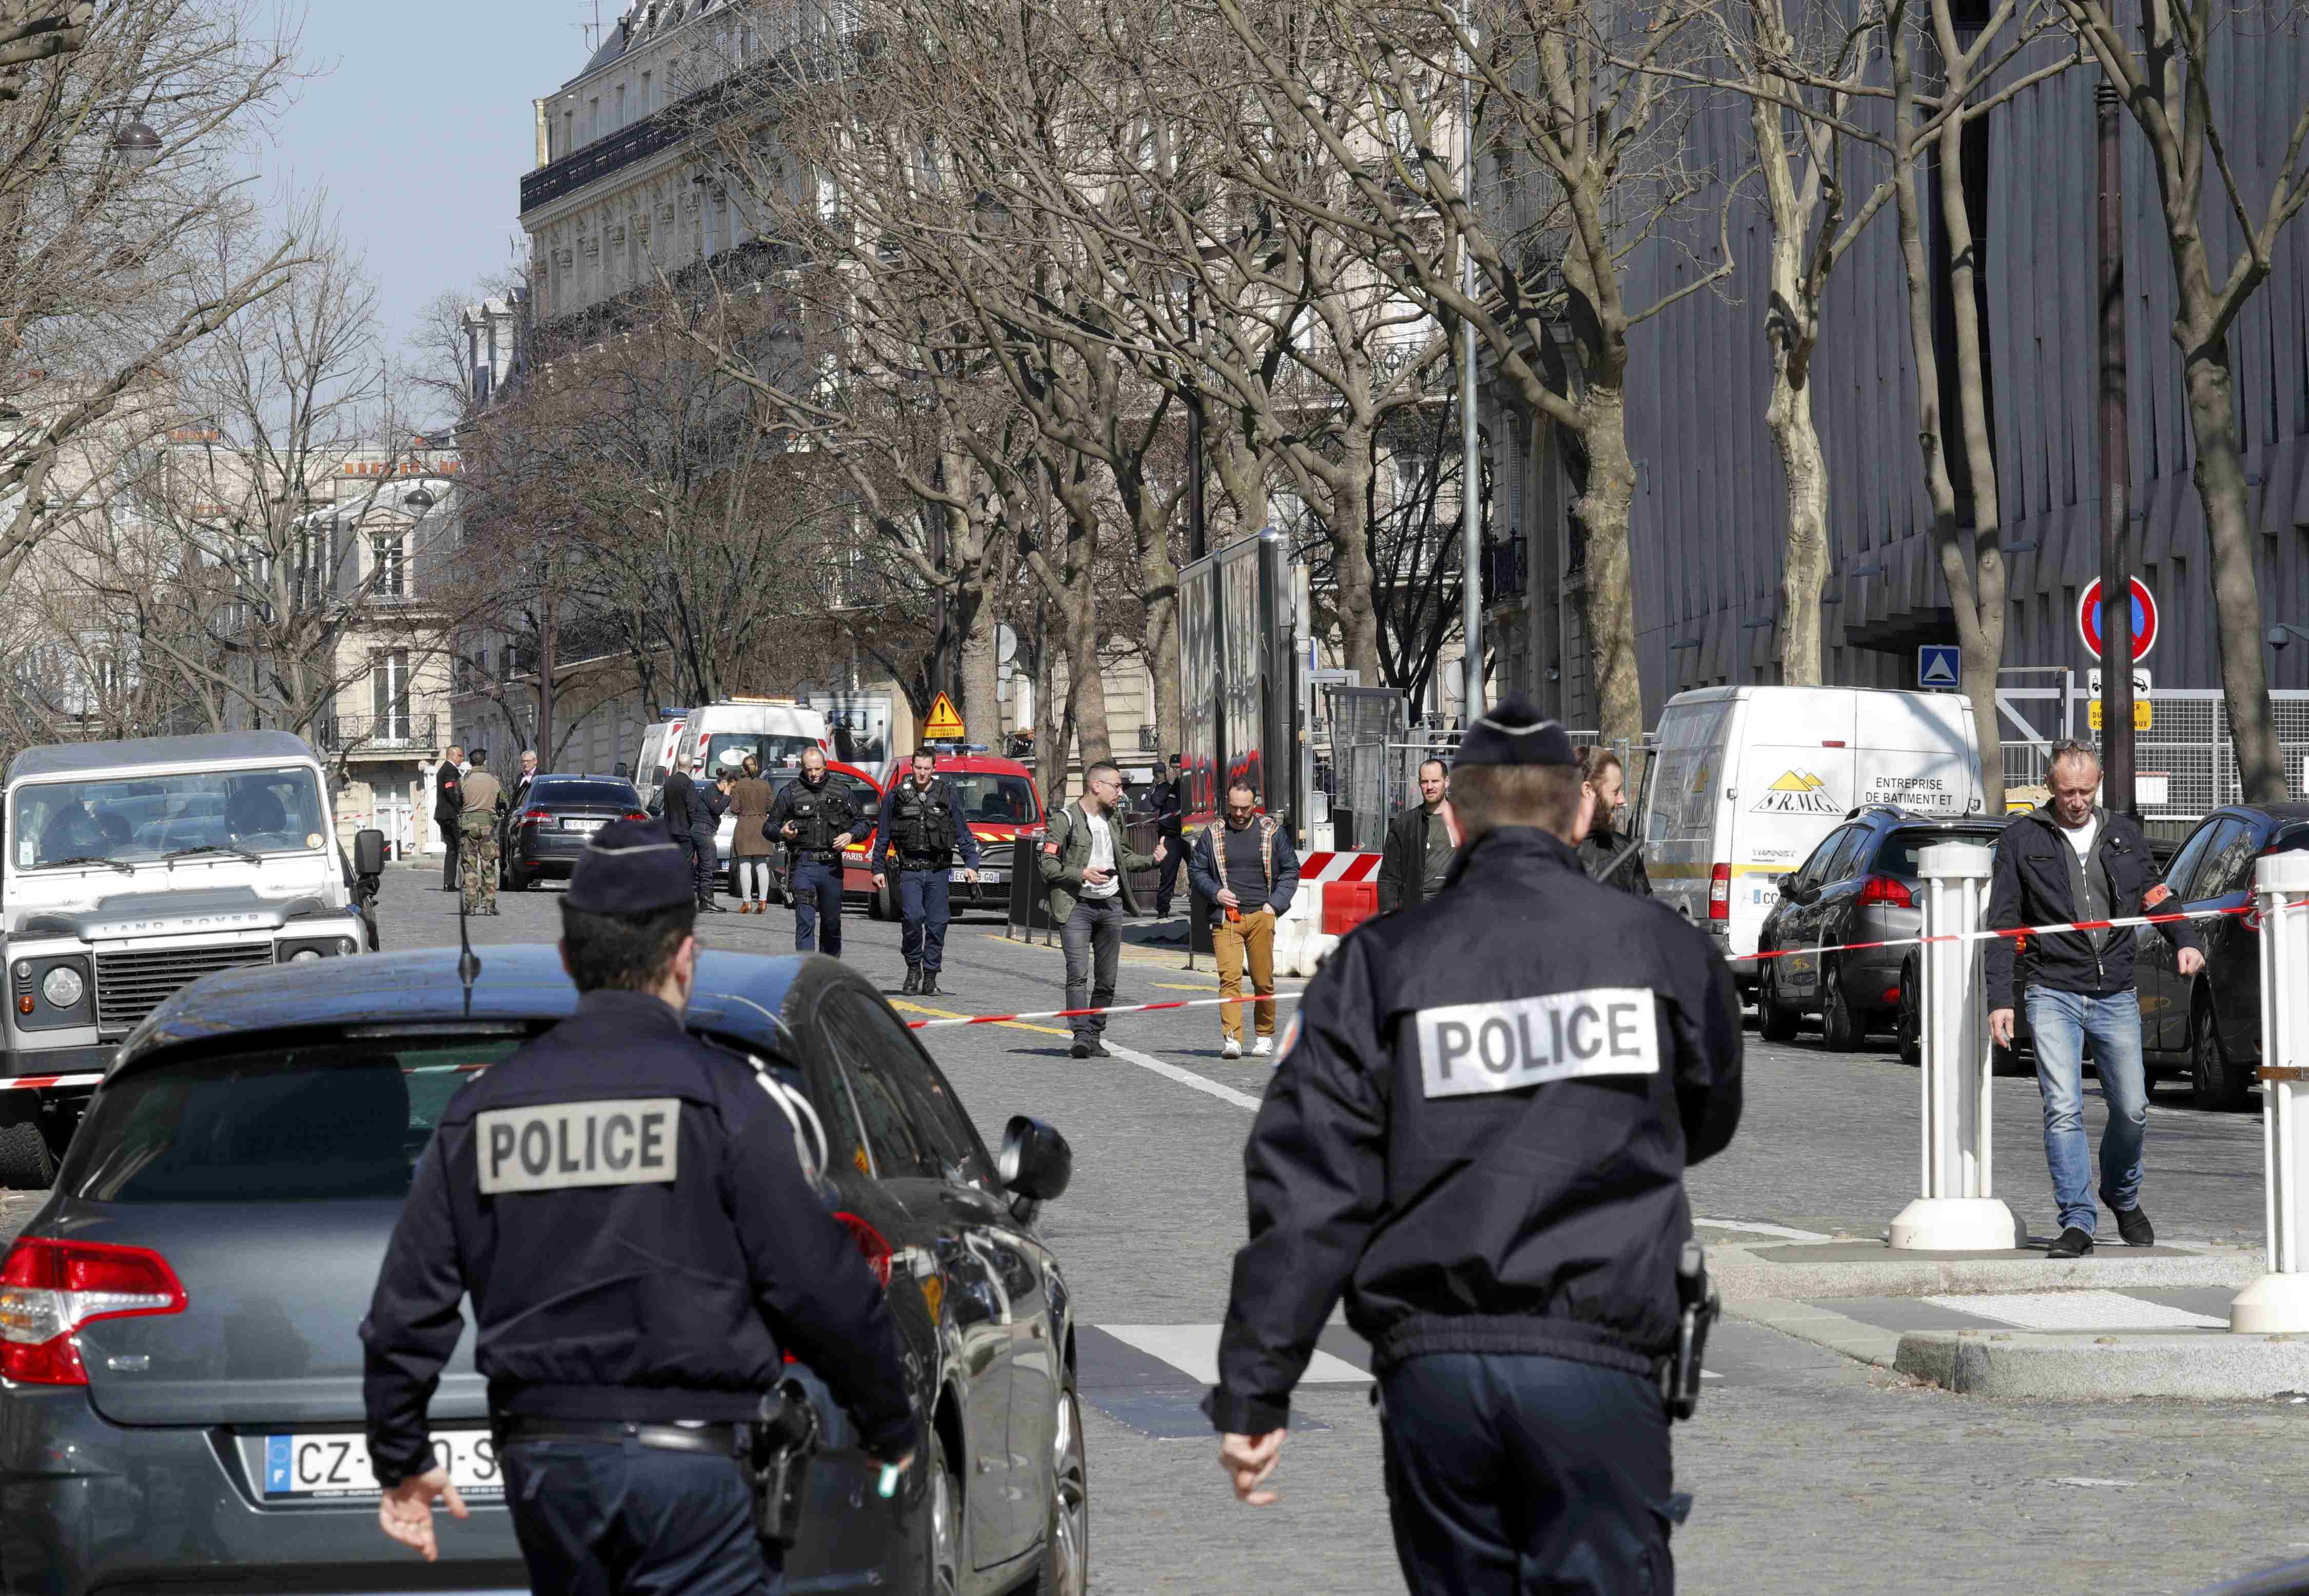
<point x="2185" y="758"/>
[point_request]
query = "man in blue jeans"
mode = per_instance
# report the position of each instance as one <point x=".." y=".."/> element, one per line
<point x="2070" y="862"/>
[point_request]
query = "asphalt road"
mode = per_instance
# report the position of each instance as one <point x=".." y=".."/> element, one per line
<point x="1812" y="1473"/>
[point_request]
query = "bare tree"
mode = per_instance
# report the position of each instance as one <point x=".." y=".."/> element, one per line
<point x="1591" y="137"/>
<point x="2162" y="69"/>
<point x="109" y="241"/>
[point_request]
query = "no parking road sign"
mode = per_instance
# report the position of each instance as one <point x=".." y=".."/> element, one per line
<point x="2144" y="619"/>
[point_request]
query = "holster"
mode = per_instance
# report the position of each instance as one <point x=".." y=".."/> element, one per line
<point x="785" y="1438"/>
<point x="1697" y="1306"/>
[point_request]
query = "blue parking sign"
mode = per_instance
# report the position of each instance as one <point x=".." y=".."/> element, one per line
<point x="1939" y="665"/>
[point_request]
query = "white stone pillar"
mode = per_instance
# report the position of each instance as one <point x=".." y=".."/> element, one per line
<point x="1955" y="1212"/>
<point x="2280" y="1299"/>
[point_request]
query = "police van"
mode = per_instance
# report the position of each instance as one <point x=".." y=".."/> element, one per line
<point x="1744" y="782"/>
<point x="720" y="735"/>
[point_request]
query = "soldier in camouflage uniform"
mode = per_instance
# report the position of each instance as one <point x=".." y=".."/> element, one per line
<point x="477" y="828"/>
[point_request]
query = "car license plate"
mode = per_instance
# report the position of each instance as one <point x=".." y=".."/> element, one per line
<point x="583" y="825"/>
<point x="985" y="877"/>
<point x="322" y="1466"/>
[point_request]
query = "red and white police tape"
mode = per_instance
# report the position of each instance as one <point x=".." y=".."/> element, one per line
<point x="1842" y="947"/>
<point x="22" y="1082"/>
<point x="2245" y="910"/>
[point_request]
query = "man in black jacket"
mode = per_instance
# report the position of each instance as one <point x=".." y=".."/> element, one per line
<point x="2066" y="862"/>
<point x="448" y="805"/>
<point x="1169" y="807"/>
<point x="1418" y="851"/>
<point x="1608" y="854"/>
<point x="1478" y="1131"/>
<point x="635" y="1294"/>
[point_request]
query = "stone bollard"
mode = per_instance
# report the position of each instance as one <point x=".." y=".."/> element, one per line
<point x="1955" y="1212"/>
<point x="2278" y="1301"/>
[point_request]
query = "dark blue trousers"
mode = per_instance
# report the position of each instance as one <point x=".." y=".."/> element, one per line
<point x="611" y="1518"/>
<point x="818" y="907"/>
<point x="922" y="899"/>
<point x="1511" y="1474"/>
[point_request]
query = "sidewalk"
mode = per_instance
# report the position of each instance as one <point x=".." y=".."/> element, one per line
<point x="2121" y="1323"/>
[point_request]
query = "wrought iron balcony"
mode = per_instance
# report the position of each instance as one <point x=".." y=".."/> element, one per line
<point x="378" y="734"/>
<point x="1503" y="569"/>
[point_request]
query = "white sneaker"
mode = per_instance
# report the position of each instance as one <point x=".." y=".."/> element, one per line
<point x="1230" y="1049"/>
<point x="1262" y="1047"/>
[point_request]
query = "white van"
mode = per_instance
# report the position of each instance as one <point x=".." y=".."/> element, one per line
<point x="720" y="735"/>
<point x="1744" y="782"/>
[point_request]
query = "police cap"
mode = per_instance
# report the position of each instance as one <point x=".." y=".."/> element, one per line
<point x="630" y="867"/>
<point x="1515" y="733"/>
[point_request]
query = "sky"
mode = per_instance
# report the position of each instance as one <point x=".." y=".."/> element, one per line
<point x="420" y="128"/>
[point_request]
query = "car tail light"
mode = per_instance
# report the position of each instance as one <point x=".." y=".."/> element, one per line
<point x="50" y="1289"/>
<point x="1886" y="889"/>
<point x="1891" y="993"/>
<point x="1719" y="892"/>
<point x="876" y="1250"/>
<point x="531" y="817"/>
<point x="637" y="814"/>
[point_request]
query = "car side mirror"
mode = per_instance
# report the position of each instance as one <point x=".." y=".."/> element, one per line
<point x="1036" y="1163"/>
<point x="1790" y="890"/>
<point x="368" y="853"/>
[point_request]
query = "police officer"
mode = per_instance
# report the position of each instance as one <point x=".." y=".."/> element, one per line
<point x="816" y="820"/>
<point x="1478" y="1131"/>
<point x="633" y="1292"/>
<point x="920" y="828"/>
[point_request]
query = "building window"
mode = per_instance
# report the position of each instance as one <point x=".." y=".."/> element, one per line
<point x="391" y="550"/>
<point x="388" y="688"/>
<point x="649" y="101"/>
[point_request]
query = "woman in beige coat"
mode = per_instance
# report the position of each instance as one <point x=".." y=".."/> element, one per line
<point x="750" y="845"/>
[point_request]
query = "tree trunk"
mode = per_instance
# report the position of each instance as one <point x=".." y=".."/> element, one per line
<point x="981" y="681"/>
<point x="1606" y="508"/>
<point x="2236" y="594"/>
<point x="1804" y="467"/>
<point x="1085" y="681"/>
<point x="1349" y="521"/>
<point x="1982" y="643"/>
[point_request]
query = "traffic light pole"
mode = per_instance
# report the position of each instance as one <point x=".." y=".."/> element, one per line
<point x="2115" y="476"/>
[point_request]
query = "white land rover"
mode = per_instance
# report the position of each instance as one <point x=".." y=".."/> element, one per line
<point x="130" y="869"/>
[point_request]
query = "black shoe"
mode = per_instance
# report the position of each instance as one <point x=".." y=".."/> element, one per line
<point x="929" y="983"/>
<point x="914" y="980"/>
<point x="1080" y="1049"/>
<point x="2073" y="1244"/>
<point x="2133" y="1225"/>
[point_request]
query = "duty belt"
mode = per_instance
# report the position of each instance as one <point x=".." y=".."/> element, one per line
<point x="716" y="1440"/>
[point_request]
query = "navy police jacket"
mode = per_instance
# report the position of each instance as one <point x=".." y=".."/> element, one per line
<point x="1478" y="1131"/>
<point x="624" y="1206"/>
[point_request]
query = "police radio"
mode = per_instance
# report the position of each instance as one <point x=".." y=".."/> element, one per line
<point x="1698" y="1306"/>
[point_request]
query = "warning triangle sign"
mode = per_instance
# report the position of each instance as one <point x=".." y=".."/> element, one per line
<point x="944" y="724"/>
<point x="1940" y="669"/>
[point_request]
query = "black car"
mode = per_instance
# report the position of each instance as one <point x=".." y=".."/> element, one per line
<point x="1858" y="885"/>
<point x="2209" y="1025"/>
<point x="545" y="833"/>
<point x="180" y="1366"/>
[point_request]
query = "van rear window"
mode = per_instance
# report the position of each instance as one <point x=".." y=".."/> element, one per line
<point x="275" y="1124"/>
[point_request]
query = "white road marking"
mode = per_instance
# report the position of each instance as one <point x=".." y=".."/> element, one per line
<point x="1782" y="1231"/>
<point x="1193" y="1349"/>
<point x="1148" y="1061"/>
<point x="2079" y="1310"/>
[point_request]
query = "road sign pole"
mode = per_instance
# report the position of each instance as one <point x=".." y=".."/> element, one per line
<point x="2115" y="474"/>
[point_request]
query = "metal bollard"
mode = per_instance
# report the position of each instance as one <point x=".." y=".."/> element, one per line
<point x="2278" y="1301"/>
<point x="1955" y="1212"/>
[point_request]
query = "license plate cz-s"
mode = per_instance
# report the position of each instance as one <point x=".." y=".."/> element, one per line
<point x="337" y="1466"/>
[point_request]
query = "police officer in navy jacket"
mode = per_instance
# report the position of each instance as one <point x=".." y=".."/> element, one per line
<point x="1477" y="1132"/>
<point x="626" y="1209"/>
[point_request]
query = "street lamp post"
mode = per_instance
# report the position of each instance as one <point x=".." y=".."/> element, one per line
<point x="1471" y="465"/>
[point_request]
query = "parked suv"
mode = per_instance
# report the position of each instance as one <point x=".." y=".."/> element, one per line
<point x="2210" y="1025"/>
<point x="1858" y="885"/>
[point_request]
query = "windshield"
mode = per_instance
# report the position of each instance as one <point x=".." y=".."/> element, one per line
<point x="283" y="1123"/>
<point x="993" y="800"/>
<point x="726" y="750"/>
<point x="140" y="818"/>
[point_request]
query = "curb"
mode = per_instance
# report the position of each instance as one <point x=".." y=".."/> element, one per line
<point x="2210" y="1365"/>
<point x="1744" y="1276"/>
<point x="1823" y="1327"/>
